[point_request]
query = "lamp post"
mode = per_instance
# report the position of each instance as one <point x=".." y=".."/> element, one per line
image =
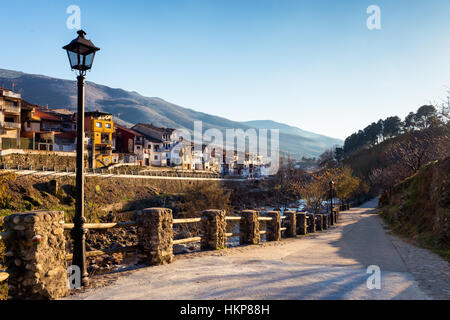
<point x="331" y="196"/>
<point x="81" y="53"/>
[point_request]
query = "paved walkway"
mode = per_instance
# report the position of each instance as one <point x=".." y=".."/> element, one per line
<point x="327" y="265"/>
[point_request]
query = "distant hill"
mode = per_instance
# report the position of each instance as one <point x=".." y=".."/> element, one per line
<point x="312" y="140"/>
<point x="131" y="108"/>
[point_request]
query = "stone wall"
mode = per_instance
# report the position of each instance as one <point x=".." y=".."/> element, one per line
<point x="35" y="255"/>
<point x="49" y="160"/>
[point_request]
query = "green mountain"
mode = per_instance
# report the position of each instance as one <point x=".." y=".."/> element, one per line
<point x="131" y="108"/>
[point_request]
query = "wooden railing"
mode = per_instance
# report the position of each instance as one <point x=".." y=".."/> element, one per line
<point x="103" y="226"/>
<point x="152" y="250"/>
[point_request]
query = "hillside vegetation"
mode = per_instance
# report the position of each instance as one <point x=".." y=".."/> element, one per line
<point x="419" y="207"/>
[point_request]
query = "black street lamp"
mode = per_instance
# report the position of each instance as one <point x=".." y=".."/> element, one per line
<point x="331" y="196"/>
<point x="81" y="53"/>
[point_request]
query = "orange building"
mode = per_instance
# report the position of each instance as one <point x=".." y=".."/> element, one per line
<point x="99" y="128"/>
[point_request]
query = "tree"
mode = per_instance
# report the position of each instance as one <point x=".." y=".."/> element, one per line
<point x="346" y="184"/>
<point x="339" y="154"/>
<point x="426" y="117"/>
<point x="410" y="122"/>
<point x="392" y="127"/>
<point x="326" y="159"/>
<point x="410" y="154"/>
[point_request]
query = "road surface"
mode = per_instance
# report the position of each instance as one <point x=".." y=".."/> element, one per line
<point x="327" y="265"/>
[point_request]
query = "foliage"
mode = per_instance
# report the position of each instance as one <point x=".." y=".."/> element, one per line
<point x="426" y="117"/>
<point x="418" y="207"/>
<point x="204" y="196"/>
<point x="408" y="155"/>
<point x="285" y="183"/>
<point x="5" y="198"/>
<point x="346" y="184"/>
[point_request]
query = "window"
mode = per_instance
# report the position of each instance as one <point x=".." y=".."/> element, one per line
<point x="156" y="157"/>
<point x="98" y="124"/>
<point x="108" y="125"/>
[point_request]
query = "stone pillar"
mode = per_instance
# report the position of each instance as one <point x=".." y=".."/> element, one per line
<point x="311" y="222"/>
<point x="155" y="235"/>
<point x="35" y="255"/>
<point x="273" y="226"/>
<point x="249" y="227"/>
<point x="214" y="228"/>
<point x="319" y="222"/>
<point x="290" y="223"/>
<point x="302" y="223"/>
<point x="325" y="221"/>
<point x="331" y="218"/>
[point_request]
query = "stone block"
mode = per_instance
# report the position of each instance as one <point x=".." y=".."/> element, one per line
<point x="214" y="229"/>
<point x="36" y="254"/>
<point x="302" y="223"/>
<point x="273" y="227"/>
<point x="290" y="223"/>
<point x="319" y="222"/>
<point x="311" y="222"/>
<point x="155" y="235"/>
<point x="249" y="227"/>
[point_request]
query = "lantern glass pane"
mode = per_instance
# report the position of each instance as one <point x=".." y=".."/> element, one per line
<point x="88" y="60"/>
<point x="74" y="59"/>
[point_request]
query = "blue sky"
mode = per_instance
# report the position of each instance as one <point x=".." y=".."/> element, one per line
<point x="311" y="64"/>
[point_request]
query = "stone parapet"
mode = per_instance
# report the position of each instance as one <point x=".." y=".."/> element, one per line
<point x="35" y="255"/>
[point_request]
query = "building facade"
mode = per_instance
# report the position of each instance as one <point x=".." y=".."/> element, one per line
<point x="10" y="125"/>
<point x="99" y="128"/>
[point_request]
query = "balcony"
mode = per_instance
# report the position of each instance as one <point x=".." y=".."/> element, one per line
<point x="11" y="109"/>
<point x="11" y="125"/>
<point x="7" y="93"/>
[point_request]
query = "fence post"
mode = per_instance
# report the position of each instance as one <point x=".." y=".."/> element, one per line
<point x="290" y="222"/>
<point x="273" y="226"/>
<point x="35" y="255"/>
<point x="302" y="223"/>
<point x="325" y="221"/>
<point x="249" y="227"/>
<point x="319" y="222"/>
<point x="331" y="218"/>
<point x="214" y="228"/>
<point x="311" y="222"/>
<point x="155" y="235"/>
